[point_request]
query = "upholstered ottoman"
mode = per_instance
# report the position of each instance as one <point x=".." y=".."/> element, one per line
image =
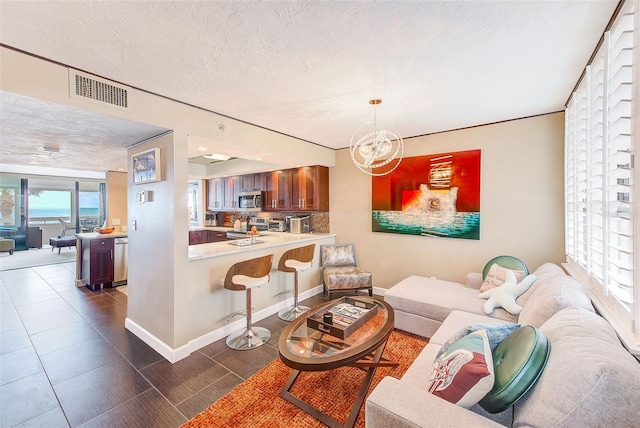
<point x="7" y="245"/>
<point x="62" y="241"/>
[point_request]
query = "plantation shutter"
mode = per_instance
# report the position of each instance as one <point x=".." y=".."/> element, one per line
<point x="599" y="165"/>
<point x="620" y="157"/>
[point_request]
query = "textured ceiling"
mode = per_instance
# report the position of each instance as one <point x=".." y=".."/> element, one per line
<point x="45" y="134"/>
<point x="307" y="69"/>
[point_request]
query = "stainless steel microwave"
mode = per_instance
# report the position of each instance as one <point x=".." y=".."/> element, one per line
<point x="250" y="201"/>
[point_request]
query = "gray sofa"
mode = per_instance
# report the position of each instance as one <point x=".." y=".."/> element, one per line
<point x="590" y="379"/>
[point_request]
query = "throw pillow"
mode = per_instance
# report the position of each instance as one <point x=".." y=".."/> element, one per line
<point x="464" y="373"/>
<point x="497" y="275"/>
<point x="505" y="296"/>
<point x="496" y="333"/>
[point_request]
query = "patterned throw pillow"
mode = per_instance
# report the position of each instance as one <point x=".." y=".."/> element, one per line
<point x="497" y="275"/>
<point x="463" y="375"/>
<point x="496" y="333"/>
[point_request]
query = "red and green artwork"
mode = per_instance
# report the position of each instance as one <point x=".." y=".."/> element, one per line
<point x="431" y="195"/>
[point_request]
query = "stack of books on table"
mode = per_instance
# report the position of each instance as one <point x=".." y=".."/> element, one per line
<point x="348" y="315"/>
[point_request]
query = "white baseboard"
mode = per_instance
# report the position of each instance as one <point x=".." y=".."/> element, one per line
<point x="173" y="355"/>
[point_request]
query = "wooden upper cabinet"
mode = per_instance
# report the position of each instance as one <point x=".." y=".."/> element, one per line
<point x="311" y="188"/>
<point x="277" y="191"/>
<point x="250" y="182"/>
<point x="231" y="190"/>
<point x="298" y="189"/>
<point x="215" y="194"/>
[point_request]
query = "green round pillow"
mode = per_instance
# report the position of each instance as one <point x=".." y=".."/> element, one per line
<point x="518" y="362"/>
<point x="508" y="262"/>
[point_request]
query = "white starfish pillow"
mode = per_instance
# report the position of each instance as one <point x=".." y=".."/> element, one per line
<point x="505" y="295"/>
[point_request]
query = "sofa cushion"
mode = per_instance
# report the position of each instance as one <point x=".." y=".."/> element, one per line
<point x="464" y="373"/>
<point x="553" y="294"/>
<point x="547" y="270"/>
<point x="589" y="376"/>
<point x="436" y="298"/>
<point x="518" y="362"/>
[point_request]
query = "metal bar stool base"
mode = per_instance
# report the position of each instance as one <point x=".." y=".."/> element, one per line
<point x="289" y="314"/>
<point x="248" y="338"/>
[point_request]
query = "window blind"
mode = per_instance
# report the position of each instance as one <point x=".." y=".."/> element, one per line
<point x="599" y="171"/>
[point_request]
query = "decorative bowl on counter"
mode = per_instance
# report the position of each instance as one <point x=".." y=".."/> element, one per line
<point x="104" y="230"/>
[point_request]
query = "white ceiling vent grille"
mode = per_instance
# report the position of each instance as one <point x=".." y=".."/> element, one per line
<point x="94" y="89"/>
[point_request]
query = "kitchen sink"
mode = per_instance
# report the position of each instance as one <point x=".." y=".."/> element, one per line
<point x="245" y="242"/>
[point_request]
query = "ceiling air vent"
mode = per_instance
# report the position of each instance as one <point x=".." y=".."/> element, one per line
<point x="94" y="89"/>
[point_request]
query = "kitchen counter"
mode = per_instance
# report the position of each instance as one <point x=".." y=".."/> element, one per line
<point x="265" y="240"/>
<point x="96" y="235"/>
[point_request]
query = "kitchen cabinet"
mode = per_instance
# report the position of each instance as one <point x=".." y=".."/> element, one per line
<point x="250" y="182"/>
<point x="215" y="236"/>
<point x="277" y="188"/>
<point x="197" y="237"/>
<point x="215" y="194"/>
<point x="231" y="190"/>
<point x="97" y="262"/>
<point x="297" y="189"/>
<point x="310" y="189"/>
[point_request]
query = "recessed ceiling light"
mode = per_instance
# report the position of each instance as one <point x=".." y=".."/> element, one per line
<point x="258" y="158"/>
<point x="217" y="156"/>
<point x="202" y="149"/>
<point x="120" y="169"/>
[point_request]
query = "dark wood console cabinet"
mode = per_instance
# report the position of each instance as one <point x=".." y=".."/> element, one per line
<point x="97" y="262"/>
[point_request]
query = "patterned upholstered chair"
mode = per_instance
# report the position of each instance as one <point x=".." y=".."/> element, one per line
<point x="340" y="271"/>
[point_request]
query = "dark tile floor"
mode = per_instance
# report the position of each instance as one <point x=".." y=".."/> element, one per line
<point x="67" y="360"/>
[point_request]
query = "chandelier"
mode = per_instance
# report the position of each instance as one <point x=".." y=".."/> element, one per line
<point x="376" y="151"/>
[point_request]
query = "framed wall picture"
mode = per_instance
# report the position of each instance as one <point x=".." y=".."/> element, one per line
<point x="147" y="166"/>
<point x="431" y="195"/>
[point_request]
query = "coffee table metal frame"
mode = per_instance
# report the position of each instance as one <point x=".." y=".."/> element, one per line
<point x="366" y="356"/>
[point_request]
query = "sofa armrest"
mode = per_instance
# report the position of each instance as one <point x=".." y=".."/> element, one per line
<point x="474" y="280"/>
<point x="396" y="404"/>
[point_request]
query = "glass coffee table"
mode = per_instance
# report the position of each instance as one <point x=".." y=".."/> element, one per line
<point x="306" y="349"/>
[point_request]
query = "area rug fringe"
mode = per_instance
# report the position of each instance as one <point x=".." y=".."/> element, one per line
<point x="256" y="402"/>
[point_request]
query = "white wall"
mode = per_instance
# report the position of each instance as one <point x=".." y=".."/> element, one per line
<point x="117" y="198"/>
<point x="152" y="252"/>
<point x="521" y="204"/>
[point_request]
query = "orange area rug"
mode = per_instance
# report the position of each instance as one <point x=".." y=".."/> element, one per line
<point x="256" y="402"/>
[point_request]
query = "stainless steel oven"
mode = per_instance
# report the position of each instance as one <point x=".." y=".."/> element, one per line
<point x="250" y="201"/>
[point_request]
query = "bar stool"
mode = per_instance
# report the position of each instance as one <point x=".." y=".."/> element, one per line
<point x="245" y="276"/>
<point x="295" y="260"/>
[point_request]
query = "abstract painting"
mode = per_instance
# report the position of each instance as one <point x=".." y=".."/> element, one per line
<point x="431" y="195"/>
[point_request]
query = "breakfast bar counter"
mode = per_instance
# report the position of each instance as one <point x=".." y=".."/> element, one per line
<point x="263" y="241"/>
<point x="210" y="308"/>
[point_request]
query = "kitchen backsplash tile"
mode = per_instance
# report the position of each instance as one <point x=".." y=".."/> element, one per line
<point x="319" y="220"/>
